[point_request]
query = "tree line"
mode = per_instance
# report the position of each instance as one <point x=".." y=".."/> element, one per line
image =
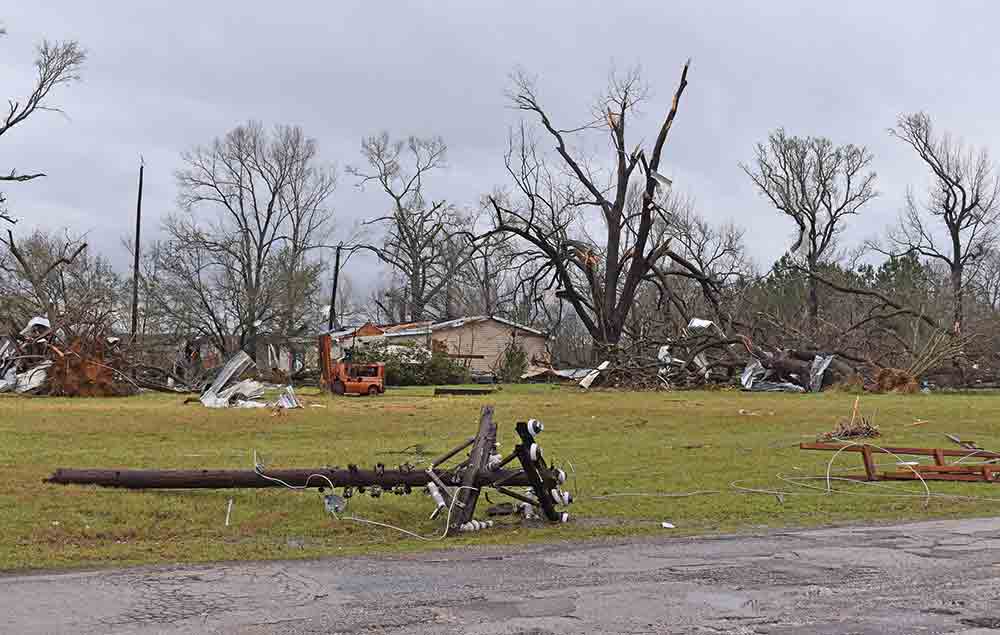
<point x="587" y="238"/>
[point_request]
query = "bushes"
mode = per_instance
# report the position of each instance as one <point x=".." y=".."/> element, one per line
<point x="412" y="365"/>
<point x="512" y="364"/>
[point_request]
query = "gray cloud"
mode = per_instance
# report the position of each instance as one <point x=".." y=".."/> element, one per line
<point x="163" y="77"/>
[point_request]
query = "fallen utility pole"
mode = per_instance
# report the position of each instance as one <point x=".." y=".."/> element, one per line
<point x="456" y="488"/>
<point x="252" y="479"/>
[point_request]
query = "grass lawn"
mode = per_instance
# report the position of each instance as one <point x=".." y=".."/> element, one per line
<point x="618" y="443"/>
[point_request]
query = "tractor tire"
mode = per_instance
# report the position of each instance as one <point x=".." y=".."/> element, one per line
<point x="337" y="387"/>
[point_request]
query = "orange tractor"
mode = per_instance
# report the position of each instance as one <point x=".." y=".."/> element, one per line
<point x="340" y="377"/>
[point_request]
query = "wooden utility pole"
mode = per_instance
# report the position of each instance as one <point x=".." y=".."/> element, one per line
<point x="333" y="294"/>
<point x="135" y="262"/>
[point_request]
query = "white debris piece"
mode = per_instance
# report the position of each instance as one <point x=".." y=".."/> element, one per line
<point x="33" y="378"/>
<point x="36" y="321"/>
<point x="592" y="375"/>
<point x="288" y="399"/>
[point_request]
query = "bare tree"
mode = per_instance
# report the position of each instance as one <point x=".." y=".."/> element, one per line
<point x="489" y="279"/>
<point x="57" y="63"/>
<point x="599" y="277"/>
<point x="423" y="239"/>
<point x="964" y="196"/>
<point x="56" y="277"/>
<point x="817" y="185"/>
<point x="988" y="279"/>
<point x="718" y="255"/>
<point x="247" y="269"/>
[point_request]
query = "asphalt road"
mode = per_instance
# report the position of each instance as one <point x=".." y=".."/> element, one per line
<point x="933" y="577"/>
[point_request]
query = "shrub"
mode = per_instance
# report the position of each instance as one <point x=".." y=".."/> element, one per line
<point x="412" y="365"/>
<point x="512" y="363"/>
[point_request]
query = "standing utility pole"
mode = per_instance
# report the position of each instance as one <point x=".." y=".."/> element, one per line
<point x="135" y="263"/>
<point x="333" y="294"/>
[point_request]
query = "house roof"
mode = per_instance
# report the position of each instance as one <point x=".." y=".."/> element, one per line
<point x="426" y="328"/>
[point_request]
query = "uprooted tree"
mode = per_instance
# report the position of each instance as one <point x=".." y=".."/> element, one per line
<point x="44" y="274"/>
<point x="57" y="63"/>
<point x="601" y="276"/>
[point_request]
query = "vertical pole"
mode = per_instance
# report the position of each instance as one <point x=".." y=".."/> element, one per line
<point x="135" y="263"/>
<point x="333" y="293"/>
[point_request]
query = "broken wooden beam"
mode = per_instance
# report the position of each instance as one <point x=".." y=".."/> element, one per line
<point x="859" y="447"/>
<point x="463" y="391"/>
<point x="940" y="471"/>
<point x="476" y="469"/>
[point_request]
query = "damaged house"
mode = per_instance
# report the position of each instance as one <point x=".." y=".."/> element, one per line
<point x="478" y="341"/>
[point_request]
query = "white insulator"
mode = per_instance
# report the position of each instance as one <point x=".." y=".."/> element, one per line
<point x="535" y="452"/>
<point x="435" y="493"/>
<point x="475" y="525"/>
<point x="494" y="462"/>
<point x="561" y="497"/>
<point x="564" y="517"/>
<point x="535" y="427"/>
<point x="560" y="477"/>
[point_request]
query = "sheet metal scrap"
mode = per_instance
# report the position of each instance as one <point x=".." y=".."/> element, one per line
<point x="939" y="471"/>
<point x="455" y="489"/>
<point x="229" y="391"/>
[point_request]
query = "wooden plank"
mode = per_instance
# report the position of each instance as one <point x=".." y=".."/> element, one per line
<point x="910" y="476"/>
<point x="866" y="454"/>
<point x="896" y="450"/>
<point x="463" y="391"/>
<point x="966" y="469"/>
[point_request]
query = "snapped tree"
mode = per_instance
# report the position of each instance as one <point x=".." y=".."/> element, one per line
<point x="599" y="277"/>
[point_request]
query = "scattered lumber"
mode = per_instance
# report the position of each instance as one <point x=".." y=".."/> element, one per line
<point x="940" y="471"/>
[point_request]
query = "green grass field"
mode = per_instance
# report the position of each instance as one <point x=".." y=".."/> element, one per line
<point x="619" y="444"/>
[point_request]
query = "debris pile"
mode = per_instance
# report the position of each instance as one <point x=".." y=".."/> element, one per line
<point x="231" y="389"/>
<point x="51" y="361"/>
<point x="857" y="427"/>
<point x="88" y="362"/>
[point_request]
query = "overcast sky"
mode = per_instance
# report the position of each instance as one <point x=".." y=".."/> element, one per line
<point x="162" y="77"/>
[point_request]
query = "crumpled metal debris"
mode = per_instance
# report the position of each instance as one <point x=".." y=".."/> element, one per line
<point x="288" y="400"/>
<point x="755" y="377"/>
<point x="27" y="381"/>
<point x="819" y="365"/>
<point x="592" y="375"/>
<point x="224" y="392"/>
<point x="234" y="367"/>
